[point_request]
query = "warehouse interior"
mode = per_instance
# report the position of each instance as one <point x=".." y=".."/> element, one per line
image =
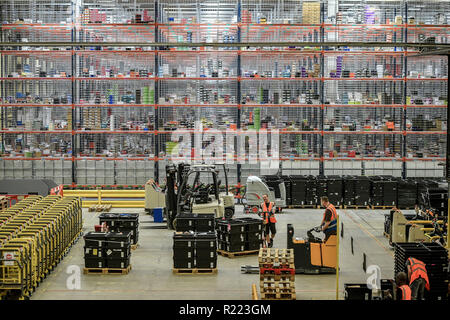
<point x="139" y="139"/>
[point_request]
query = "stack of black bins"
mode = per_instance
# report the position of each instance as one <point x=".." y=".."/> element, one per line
<point x="203" y="222"/>
<point x="406" y="193"/>
<point x="288" y="186"/>
<point x="377" y="191"/>
<point x="311" y="191"/>
<point x="122" y="222"/>
<point x="206" y="250"/>
<point x="194" y="250"/>
<point x="438" y="199"/>
<point x="94" y="250"/>
<point x="389" y="191"/>
<point x="349" y="190"/>
<point x="436" y="259"/>
<point x="298" y="192"/>
<point x="239" y="235"/>
<point x="384" y="191"/>
<point x="107" y="250"/>
<point x="184" y="250"/>
<point x="118" y="251"/>
<point x="321" y="188"/>
<point x="335" y="190"/>
<point x="362" y="191"/>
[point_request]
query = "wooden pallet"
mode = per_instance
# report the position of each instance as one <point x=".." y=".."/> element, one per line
<point x="278" y="296"/>
<point x="381" y="207"/>
<point x="194" y="271"/>
<point x="282" y="278"/>
<point x="269" y="258"/>
<point x="107" y="270"/>
<point x="100" y="208"/>
<point x="304" y="206"/>
<point x="134" y="246"/>
<point x="277" y="277"/>
<point x="236" y="254"/>
<point x="356" y="207"/>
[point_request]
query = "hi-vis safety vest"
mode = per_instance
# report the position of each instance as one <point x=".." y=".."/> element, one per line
<point x="418" y="270"/>
<point x="267" y="213"/>
<point x="333" y="223"/>
<point x="406" y="292"/>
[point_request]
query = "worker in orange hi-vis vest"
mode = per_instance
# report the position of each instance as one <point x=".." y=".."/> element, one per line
<point x="402" y="283"/>
<point x="269" y="221"/>
<point x="418" y="278"/>
<point x="329" y="220"/>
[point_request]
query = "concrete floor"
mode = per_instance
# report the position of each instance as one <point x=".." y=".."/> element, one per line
<point x="151" y="276"/>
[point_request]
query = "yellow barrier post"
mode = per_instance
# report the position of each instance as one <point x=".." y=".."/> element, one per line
<point x="99" y="195"/>
<point x="337" y="259"/>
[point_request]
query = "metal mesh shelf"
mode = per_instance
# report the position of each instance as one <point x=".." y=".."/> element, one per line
<point x="337" y="110"/>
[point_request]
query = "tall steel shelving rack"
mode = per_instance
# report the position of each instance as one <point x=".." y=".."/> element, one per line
<point x="103" y="113"/>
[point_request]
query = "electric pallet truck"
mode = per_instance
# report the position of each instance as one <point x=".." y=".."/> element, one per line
<point x="312" y="255"/>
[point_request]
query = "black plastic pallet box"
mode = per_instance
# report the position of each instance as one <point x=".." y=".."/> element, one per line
<point x="90" y="252"/>
<point x="95" y="239"/>
<point x="204" y="222"/>
<point x="95" y="262"/>
<point x="117" y="253"/>
<point x="122" y="263"/>
<point x="118" y="240"/>
<point x="185" y="222"/>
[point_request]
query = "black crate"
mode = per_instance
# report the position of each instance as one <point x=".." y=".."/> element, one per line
<point x="119" y="253"/>
<point x="95" y="239"/>
<point x="202" y="244"/>
<point x="253" y="245"/>
<point x="129" y="220"/>
<point x="118" y="240"/>
<point x="95" y="262"/>
<point x="134" y="234"/>
<point x="357" y="291"/>
<point x="185" y="222"/>
<point x="111" y="219"/>
<point x="252" y="224"/>
<point x="184" y="253"/>
<point x="205" y="254"/>
<point x="253" y="236"/>
<point x="94" y="252"/>
<point x="121" y="263"/>
<point x="204" y="223"/>
<point x="235" y="238"/>
<point x="183" y="263"/>
<point x="233" y="226"/>
<point x="206" y="264"/>
<point x="230" y="247"/>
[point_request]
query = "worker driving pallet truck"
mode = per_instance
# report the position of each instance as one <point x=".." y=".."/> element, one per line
<point x="314" y="255"/>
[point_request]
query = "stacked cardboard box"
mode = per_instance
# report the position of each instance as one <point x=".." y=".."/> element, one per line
<point x="311" y="12"/>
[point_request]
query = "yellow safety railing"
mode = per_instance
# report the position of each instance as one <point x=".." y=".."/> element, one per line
<point x="116" y="198"/>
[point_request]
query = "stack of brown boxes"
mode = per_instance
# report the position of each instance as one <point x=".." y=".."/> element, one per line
<point x="277" y="274"/>
<point x="311" y="12"/>
<point x="92" y="118"/>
